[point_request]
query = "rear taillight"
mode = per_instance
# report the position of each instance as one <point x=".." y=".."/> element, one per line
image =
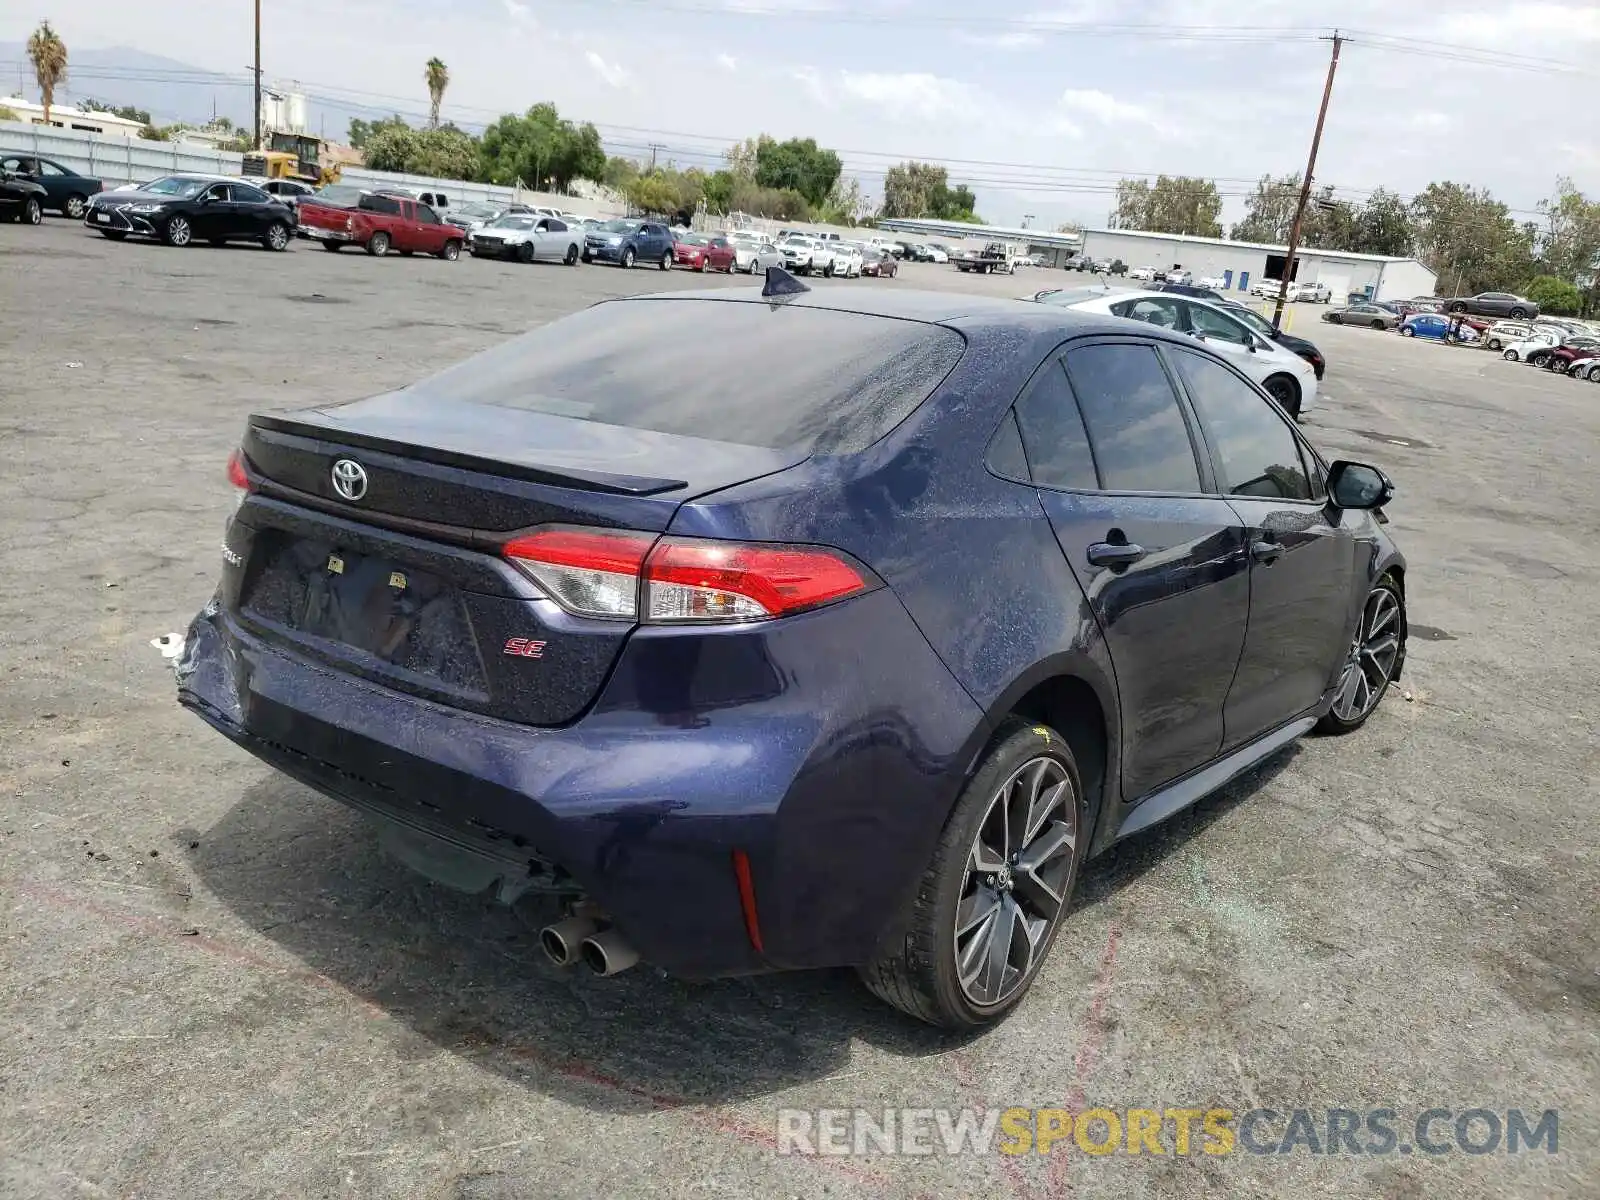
<point x="634" y="576"/>
<point x="236" y="472"/>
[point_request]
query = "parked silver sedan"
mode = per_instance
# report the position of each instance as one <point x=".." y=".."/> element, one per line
<point x="525" y="237"/>
<point x="765" y="255"/>
<point x="1363" y="314"/>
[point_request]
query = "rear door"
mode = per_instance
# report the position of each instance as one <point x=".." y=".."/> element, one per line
<point x="1160" y="557"/>
<point x="1303" y="586"/>
<point x="251" y="210"/>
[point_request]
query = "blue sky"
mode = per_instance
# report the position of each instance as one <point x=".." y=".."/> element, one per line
<point x="1037" y="116"/>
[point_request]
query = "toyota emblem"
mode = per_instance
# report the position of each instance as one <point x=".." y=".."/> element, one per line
<point x="349" y="479"/>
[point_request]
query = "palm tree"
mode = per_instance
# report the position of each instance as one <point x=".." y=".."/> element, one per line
<point x="438" y="77"/>
<point x="49" y="56"/>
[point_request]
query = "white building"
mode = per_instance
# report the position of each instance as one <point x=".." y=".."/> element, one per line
<point x="1242" y="263"/>
<point x="64" y="116"/>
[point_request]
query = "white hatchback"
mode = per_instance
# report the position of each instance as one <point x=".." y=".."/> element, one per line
<point x="1282" y="374"/>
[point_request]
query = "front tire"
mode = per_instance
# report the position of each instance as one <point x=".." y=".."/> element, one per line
<point x="991" y="901"/>
<point x="178" y="232"/>
<point x="627" y="258"/>
<point x="277" y="237"/>
<point x="378" y="244"/>
<point x="1494" y="343"/>
<point x="1373" y="662"/>
<point x="451" y="251"/>
<point x="1457" y="308"/>
<point x="571" y="257"/>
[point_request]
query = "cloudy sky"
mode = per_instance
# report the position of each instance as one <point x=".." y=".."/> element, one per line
<point x="1039" y="109"/>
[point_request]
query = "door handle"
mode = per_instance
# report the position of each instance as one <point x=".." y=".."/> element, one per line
<point x="1114" y="554"/>
<point x="1265" y="551"/>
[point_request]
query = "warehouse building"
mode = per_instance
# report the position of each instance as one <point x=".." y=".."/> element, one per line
<point x="1048" y="248"/>
<point x="1241" y="263"/>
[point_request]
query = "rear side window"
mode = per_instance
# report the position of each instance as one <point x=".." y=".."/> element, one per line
<point x="1053" y="435"/>
<point x="839" y="382"/>
<point x="381" y="204"/>
<point x="1136" y="430"/>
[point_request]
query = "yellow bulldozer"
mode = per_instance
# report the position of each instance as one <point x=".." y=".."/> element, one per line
<point x="291" y="156"/>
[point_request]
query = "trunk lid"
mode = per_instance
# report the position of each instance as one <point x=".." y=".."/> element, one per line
<point x="404" y="584"/>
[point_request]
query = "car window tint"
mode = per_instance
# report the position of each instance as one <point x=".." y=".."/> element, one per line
<point x="245" y="194"/>
<point x="1215" y="325"/>
<point x="555" y="226"/>
<point x="1006" y="457"/>
<point x="217" y="191"/>
<point x="1052" y="432"/>
<point x="426" y="215"/>
<point x="1163" y="312"/>
<point x="49" y="168"/>
<point x="382" y="204"/>
<point x="1136" y="430"/>
<point x="1258" y="454"/>
<point x="847" y="379"/>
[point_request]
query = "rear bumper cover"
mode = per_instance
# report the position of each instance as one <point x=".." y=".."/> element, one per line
<point x="828" y="747"/>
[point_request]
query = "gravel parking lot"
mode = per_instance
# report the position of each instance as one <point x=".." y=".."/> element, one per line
<point x="215" y="985"/>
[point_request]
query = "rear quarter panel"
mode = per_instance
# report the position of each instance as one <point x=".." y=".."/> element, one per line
<point x="972" y="557"/>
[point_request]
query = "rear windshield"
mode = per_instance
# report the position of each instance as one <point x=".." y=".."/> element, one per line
<point x="832" y="382"/>
<point x="339" y="195"/>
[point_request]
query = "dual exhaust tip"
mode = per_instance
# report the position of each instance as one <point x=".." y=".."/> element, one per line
<point x="600" y="948"/>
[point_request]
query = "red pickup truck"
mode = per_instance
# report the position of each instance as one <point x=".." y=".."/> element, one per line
<point x="345" y="216"/>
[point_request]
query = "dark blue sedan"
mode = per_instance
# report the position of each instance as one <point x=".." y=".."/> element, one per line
<point x="65" y="190"/>
<point x="849" y="661"/>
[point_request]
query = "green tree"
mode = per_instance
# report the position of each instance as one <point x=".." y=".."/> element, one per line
<point x="541" y="148"/>
<point x="1471" y="240"/>
<point x="1173" y="204"/>
<point x="1383" y="226"/>
<point x="48" y="54"/>
<point x="619" y="172"/>
<point x="667" y="191"/>
<point x="8" y="114"/>
<point x="798" y="164"/>
<point x="908" y="188"/>
<point x="126" y="111"/>
<point x="362" y="131"/>
<point x="742" y="158"/>
<point x="1570" y="238"/>
<point x="1556" y="296"/>
<point x="437" y="76"/>
<point x="1269" y="211"/>
<point x="719" y="190"/>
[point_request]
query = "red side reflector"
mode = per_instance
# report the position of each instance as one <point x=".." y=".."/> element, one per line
<point x="747" y="898"/>
<point x="236" y="472"/>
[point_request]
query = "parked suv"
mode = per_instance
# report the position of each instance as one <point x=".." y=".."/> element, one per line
<point x="626" y="242"/>
<point x="713" y="689"/>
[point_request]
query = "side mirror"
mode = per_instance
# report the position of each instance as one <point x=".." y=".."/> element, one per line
<point x="1356" y="485"/>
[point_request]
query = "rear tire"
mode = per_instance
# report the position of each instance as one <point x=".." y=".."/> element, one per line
<point x="1518" y="314"/>
<point x="378" y="244"/>
<point x="666" y="261"/>
<point x="936" y="971"/>
<point x="75" y="206"/>
<point x="1286" y="392"/>
<point x="1405" y="330"/>
<point x="333" y="247"/>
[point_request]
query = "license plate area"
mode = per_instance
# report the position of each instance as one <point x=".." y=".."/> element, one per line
<point x="103" y="218"/>
<point x="329" y="596"/>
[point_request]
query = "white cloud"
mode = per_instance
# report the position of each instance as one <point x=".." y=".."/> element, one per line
<point x="516" y="11"/>
<point x="727" y="62"/>
<point x="614" y="74"/>
<point x="1014" y="40"/>
<point x="1429" y="122"/>
<point x="1106" y="108"/>
<point x="914" y="96"/>
<point x="1512" y="27"/>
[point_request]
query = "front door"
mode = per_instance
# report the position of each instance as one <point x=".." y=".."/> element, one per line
<point x="1161" y="561"/>
<point x="1303" y="587"/>
<point x="430" y="232"/>
<point x="1225" y="335"/>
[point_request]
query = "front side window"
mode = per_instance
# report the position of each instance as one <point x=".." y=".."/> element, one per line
<point x="426" y="215"/>
<point x="1259" y="455"/>
<point x="1136" y="430"/>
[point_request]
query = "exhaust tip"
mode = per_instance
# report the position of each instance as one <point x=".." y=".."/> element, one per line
<point x="608" y="953"/>
<point x="562" y="941"/>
